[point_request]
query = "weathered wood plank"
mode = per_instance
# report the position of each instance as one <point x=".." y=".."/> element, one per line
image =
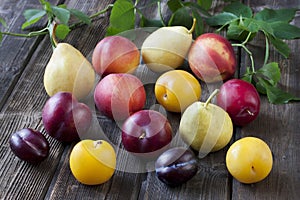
<point x="20" y="180"/>
<point x="52" y="179"/>
<point x="15" y="52"/>
<point x="277" y="125"/>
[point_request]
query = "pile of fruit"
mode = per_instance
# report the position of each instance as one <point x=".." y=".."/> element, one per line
<point x="120" y="95"/>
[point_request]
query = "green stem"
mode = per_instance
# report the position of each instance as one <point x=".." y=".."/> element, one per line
<point x="243" y="45"/>
<point x="31" y="34"/>
<point x="160" y="13"/>
<point x="45" y="30"/>
<point x="247" y="38"/>
<point x="249" y="53"/>
<point x="267" y="51"/>
<point x="108" y="7"/>
<point x="215" y="92"/>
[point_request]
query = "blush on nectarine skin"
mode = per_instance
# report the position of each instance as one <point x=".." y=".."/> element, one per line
<point x="212" y="58"/>
<point x="117" y="96"/>
<point x="115" y="54"/>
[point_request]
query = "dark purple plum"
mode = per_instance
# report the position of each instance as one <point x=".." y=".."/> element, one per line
<point x="65" y="118"/>
<point x="176" y="166"/>
<point x="29" y="145"/>
<point x="146" y="131"/>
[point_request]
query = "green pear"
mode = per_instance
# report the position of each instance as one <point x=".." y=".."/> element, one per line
<point x="167" y="47"/>
<point x="206" y="127"/>
<point x="68" y="71"/>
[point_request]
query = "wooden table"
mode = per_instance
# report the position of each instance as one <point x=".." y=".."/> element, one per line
<point x="22" y="97"/>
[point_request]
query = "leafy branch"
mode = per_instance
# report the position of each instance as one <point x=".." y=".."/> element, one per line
<point x="127" y="14"/>
<point x="59" y="15"/>
<point x="242" y="25"/>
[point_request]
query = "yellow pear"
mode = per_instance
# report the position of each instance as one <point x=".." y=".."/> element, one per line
<point x="69" y="71"/>
<point x="167" y="47"/>
<point x="206" y="127"/>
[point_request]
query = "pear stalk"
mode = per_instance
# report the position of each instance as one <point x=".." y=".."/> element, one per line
<point x="193" y="26"/>
<point x="215" y="92"/>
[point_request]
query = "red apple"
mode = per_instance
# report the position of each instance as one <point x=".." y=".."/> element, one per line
<point x="65" y="118"/>
<point x="115" y="54"/>
<point x="146" y="133"/>
<point x="119" y="95"/>
<point x="240" y="99"/>
<point x="212" y="58"/>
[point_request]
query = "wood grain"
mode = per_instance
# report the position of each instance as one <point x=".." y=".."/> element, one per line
<point x="22" y="98"/>
<point x="15" y="52"/>
<point x="277" y="125"/>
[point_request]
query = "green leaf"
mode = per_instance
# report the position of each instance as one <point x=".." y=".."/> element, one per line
<point x="122" y="17"/>
<point x="248" y="76"/>
<point x="196" y="6"/>
<point x="239" y="30"/>
<point x="270" y="72"/>
<point x="145" y="22"/>
<point x="269" y="15"/>
<point x="239" y="9"/>
<point x="2" y="21"/>
<point x="206" y="4"/>
<point x="278" y="96"/>
<point x="62" y="31"/>
<point x="221" y="19"/>
<point x="234" y="32"/>
<point x="260" y="88"/>
<point x="285" y="31"/>
<point x="265" y="27"/>
<point x="32" y="16"/>
<point x="280" y="45"/>
<point x="181" y="17"/>
<point x="62" y="14"/>
<point x="47" y="7"/>
<point x="62" y="6"/>
<point x="250" y="25"/>
<point x="81" y="16"/>
<point x="174" y="5"/>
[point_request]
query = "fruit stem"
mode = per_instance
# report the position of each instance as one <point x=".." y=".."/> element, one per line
<point x="142" y="136"/>
<point x="243" y="45"/>
<point x="97" y="143"/>
<point x="193" y="26"/>
<point x="250" y="113"/>
<point x="249" y="53"/>
<point x="215" y="92"/>
<point x="52" y="34"/>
